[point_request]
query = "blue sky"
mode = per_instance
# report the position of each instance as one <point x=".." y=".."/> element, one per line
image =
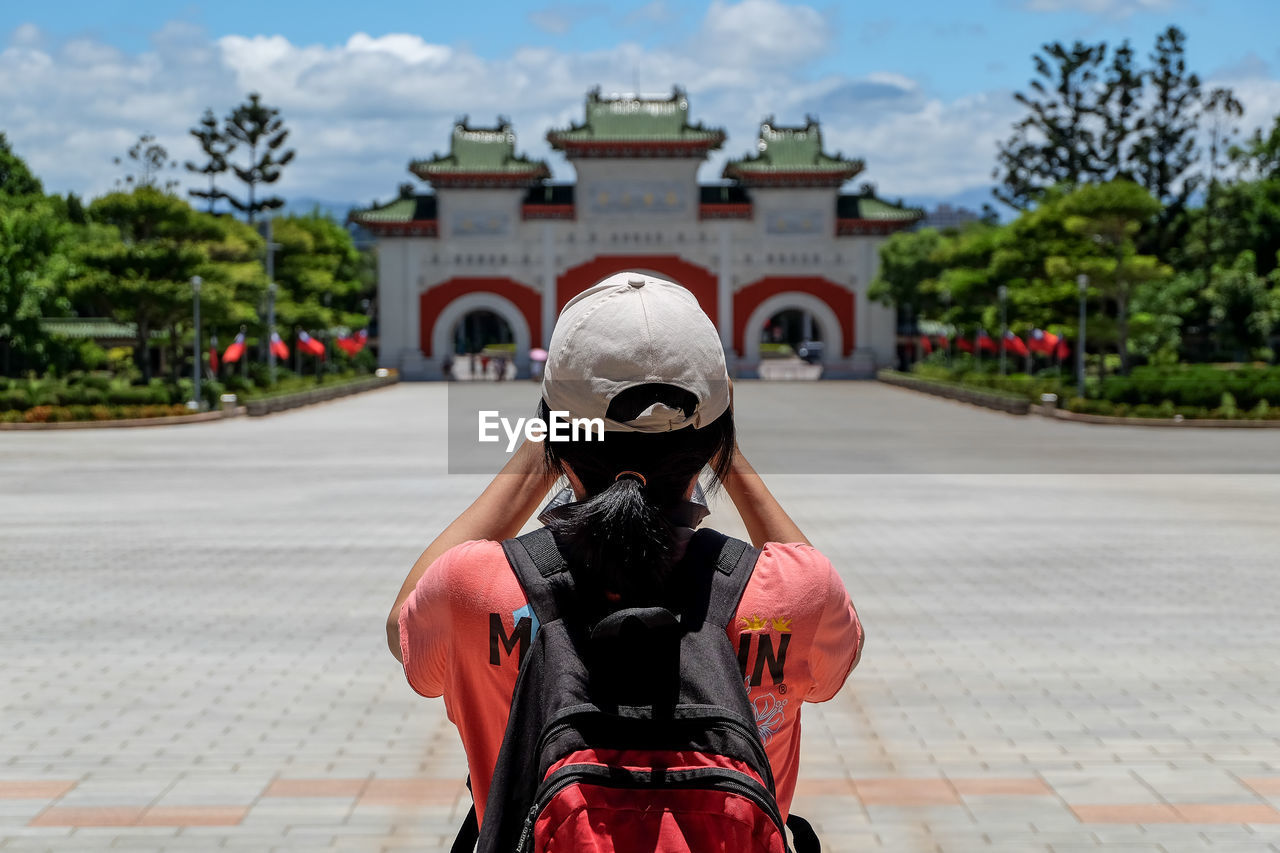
<point x="921" y="90"/>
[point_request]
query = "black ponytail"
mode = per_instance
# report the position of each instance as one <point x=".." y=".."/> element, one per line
<point x="619" y="538"/>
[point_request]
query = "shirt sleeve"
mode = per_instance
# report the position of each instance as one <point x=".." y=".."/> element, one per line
<point x="426" y="626"/>
<point x="837" y="643"/>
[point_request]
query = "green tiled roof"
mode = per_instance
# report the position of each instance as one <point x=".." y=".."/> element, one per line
<point x="93" y="328"/>
<point x="480" y="150"/>
<point x="635" y="118"/>
<point x="792" y="150"/>
<point x="872" y="208"/>
<point x="411" y="209"/>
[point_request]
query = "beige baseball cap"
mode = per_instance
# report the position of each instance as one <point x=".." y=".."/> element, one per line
<point x="635" y="329"/>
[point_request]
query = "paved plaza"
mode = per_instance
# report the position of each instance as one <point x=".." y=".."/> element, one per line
<point x="1072" y="632"/>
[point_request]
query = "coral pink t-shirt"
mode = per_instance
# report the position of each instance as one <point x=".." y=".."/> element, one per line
<point x="461" y="633"/>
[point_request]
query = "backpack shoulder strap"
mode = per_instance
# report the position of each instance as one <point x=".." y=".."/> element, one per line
<point x="734" y="561"/>
<point x="541" y="570"/>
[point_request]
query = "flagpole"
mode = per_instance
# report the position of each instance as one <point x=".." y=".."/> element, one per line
<point x="1082" y="283"/>
<point x="196" y="281"/>
<point x="271" y="322"/>
<point x="1003" y="292"/>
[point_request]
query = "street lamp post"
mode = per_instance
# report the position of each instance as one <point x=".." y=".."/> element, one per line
<point x="1004" y="325"/>
<point x="271" y="329"/>
<point x="1082" y="283"/>
<point x="196" y="281"/>
<point x="266" y="230"/>
<point x="946" y="315"/>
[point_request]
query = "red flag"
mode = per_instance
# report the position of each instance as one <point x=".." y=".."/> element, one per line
<point x="233" y="353"/>
<point x="944" y="342"/>
<point x="279" y="347"/>
<point x="308" y="344"/>
<point x="1042" y="342"/>
<point x="926" y="346"/>
<point x="964" y="345"/>
<point x="985" y="344"/>
<point x="1063" y="350"/>
<point x="1014" y="344"/>
<point x="361" y="338"/>
<point x="213" y="353"/>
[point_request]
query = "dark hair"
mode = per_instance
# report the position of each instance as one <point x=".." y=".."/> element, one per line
<point x="619" y="538"/>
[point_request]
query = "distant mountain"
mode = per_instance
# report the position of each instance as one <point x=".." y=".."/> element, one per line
<point x="335" y="210"/>
<point x="972" y="199"/>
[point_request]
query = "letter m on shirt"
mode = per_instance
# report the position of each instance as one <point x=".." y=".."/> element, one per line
<point x="499" y="638"/>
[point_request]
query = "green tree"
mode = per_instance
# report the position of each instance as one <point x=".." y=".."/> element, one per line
<point x="1259" y="157"/>
<point x="145" y="162"/>
<point x="322" y="277"/>
<point x="1057" y="141"/>
<point x="1243" y="307"/>
<point x="906" y="263"/>
<point x="1248" y="219"/>
<point x="34" y="269"/>
<point x="15" y="178"/>
<point x="143" y="252"/>
<point x="1160" y="313"/>
<point x="1110" y="216"/>
<point x="217" y="147"/>
<point x="258" y="127"/>
<point x="1204" y="246"/>
<point x="1120" y="110"/>
<point x="1167" y="153"/>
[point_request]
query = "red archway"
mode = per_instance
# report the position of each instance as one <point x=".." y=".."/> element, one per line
<point x="435" y="300"/>
<point x="699" y="281"/>
<point x="749" y="298"/>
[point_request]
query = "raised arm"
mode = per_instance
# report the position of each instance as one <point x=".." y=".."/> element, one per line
<point x="499" y="513"/>
<point x="764" y="517"/>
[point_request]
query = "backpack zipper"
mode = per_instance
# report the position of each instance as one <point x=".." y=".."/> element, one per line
<point x="707" y="778"/>
<point x="751" y="735"/>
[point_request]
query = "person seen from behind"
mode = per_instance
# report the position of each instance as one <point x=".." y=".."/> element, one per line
<point x="640" y="353"/>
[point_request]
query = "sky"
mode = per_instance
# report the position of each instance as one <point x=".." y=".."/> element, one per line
<point x="922" y="91"/>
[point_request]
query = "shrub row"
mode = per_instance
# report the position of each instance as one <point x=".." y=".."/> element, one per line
<point x="1198" y="386"/>
<point x="58" y="395"/>
<point x="1226" y="410"/>
<point x="1192" y="387"/>
<point x="58" y="414"/>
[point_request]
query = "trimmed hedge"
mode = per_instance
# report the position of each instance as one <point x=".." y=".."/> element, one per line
<point x="1227" y="410"/>
<point x="1191" y="390"/>
<point x="26" y="394"/>
<point x="987" y="398"/>
<point x="1196" y="386"/>
<point x="1019" y="385"/>
<point x="59" y="414"/>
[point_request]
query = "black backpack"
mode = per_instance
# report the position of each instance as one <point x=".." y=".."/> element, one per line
<point x="633" y="730"/>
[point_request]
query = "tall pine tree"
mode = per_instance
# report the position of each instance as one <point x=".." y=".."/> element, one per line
<point x="258" y="127"/>
<point x="1058" y="141"/>
<point x="217" y="147"/>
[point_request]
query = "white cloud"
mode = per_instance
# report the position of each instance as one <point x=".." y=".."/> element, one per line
<point x="1251" y="82"/>
<point x="937" y="148"/>
<point x="1108" y="8"/>
<point x="764" y="32"/>
<point x="359" y="111"/>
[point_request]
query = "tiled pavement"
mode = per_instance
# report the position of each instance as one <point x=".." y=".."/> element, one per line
<point x="192" y="657"/>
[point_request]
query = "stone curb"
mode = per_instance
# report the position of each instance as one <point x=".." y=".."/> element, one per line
<point x="973" y="396"/>
<point x="1112" y="420"/>
<point x="284" y="402"/>
<point x="168" y="420"/>
<point x="253" y="408"/>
